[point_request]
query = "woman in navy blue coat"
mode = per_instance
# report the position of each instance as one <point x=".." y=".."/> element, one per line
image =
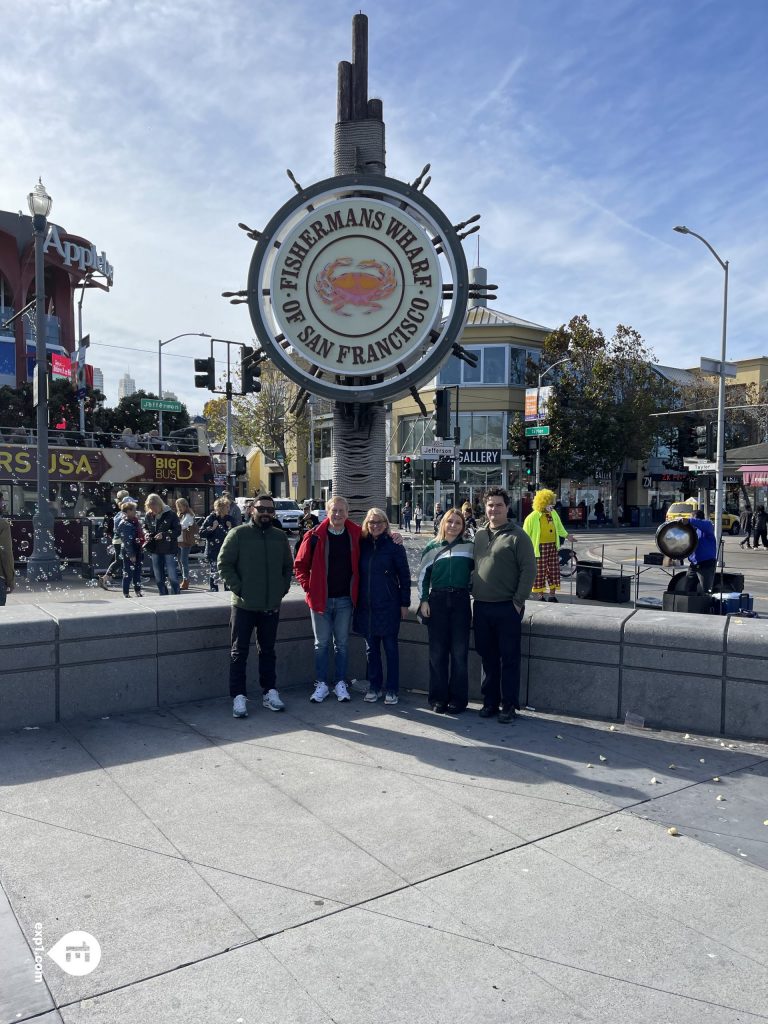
<point x="383" y="600"/>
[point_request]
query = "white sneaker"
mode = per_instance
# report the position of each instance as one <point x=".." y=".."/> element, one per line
<point x="239" y="707"/>
<point x="391" y="698"/>
<point x="272" y="701"/>
<point x="372" y="696"/>
<point x="341" y="691"/>
<point x="320" y="693"/>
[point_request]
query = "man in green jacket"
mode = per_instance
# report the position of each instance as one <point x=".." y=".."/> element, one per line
<point x="255" y="563"/>
<point x="505" y="568"/>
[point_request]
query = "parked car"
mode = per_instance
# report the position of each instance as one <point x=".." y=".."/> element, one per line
<point x="288" y="513"/>
<point x="685" y="509"/>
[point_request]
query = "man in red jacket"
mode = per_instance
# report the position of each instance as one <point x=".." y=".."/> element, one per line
<point x="327" y="567"/>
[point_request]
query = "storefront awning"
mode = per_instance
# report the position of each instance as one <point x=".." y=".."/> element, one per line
<point x="754" y="476"/>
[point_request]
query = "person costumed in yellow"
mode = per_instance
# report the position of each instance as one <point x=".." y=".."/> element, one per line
<point x="546" y="531"/>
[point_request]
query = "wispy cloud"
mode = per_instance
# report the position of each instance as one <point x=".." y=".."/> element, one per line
<point x="582" y="132"/>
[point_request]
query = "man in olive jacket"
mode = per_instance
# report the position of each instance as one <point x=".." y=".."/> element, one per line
<point x="255" y="563"/>
<point x="505" y="568"/>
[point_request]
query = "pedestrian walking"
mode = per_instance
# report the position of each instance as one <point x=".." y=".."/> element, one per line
<point x="328" y="570"/>
<point x="255" y="564"/>
<point x="505" y="568"/>
<point x="760" y="527"/>
<point x="444" y="576"/>
<point x="437" y="517"/>
<point x="405" y="516"/>
<point x="384" y="597"/>
<point x="234" y="508"/>
<point x="110" y="525"/>
<point x="132" y="538"/>
<point x="745" y="525"/>
<point x="418" y="515"/>
<point x="214" y="531"/>
<point x="7" y="573"/>
<point x="162" y="529"/>
<point x="187" y="538"/>
<point x="544" y="526"/>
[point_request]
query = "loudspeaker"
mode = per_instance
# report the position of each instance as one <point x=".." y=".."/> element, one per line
<point x="615" y="589"/>
<point x="586" y="576"/>
<point x="686" y="602"/>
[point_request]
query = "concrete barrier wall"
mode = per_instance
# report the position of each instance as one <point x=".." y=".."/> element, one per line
<point x="689" y="672"/>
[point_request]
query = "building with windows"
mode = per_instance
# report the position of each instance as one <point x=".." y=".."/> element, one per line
<point x="70" y="262"/>
<point x="98" y="380"/>
<point x="483" y="398"/>
<point x="125" y="386"/>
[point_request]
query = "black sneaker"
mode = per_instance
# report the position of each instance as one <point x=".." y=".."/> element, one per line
<point x="456" y="709"/>
<point x="507" y="714"/>
<point x="438" y="708"/>
<point x="488" y="712"/>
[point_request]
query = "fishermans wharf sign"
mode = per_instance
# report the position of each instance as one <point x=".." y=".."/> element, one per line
<point x="358" y="288"/>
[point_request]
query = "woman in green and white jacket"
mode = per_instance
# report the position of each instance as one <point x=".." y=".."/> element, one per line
<point x="444" y="575"/>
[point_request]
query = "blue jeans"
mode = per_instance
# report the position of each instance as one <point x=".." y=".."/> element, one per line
<point x="162" y="566"/>
<point x="373" y="645"/>
<point x="184" y="562"/>
<point x="333" y="624"/>
<point x="131" y="572"/>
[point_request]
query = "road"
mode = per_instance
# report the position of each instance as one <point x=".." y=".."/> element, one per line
<point x="623" y="550"/>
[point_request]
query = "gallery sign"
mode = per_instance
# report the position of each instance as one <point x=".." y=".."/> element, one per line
<point x="480" y="456"/>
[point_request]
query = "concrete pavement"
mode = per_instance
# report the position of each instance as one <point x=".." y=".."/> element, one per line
<point x="348" y="863"/>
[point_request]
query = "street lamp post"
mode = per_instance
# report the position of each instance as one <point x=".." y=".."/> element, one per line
<point x="42" y="563"/>
<point x="565" y="359"/>
<point x="160" y="346"/>
<point x="720" y="455"/>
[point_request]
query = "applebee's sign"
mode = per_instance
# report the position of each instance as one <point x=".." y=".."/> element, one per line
<point x="74" y="255"/>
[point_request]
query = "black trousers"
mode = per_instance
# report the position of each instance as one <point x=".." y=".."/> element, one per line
<point x="498" y="628"/>
<point x="242" y="624"/>
<point x="450" y="618"/>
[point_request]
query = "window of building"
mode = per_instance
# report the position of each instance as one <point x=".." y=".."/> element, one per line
<point x="323" y="436"/>
<point x="496" y="364"/>
<point x="481" y="429"/>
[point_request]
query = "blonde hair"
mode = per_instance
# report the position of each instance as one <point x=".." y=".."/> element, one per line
<point x="446" y="517"/>
<point x="341" y="501"/>
<point x="183" y="503"/>
<point x="221" y="505"/>
<point x="377" y="512"/>
<point x="121" y="495"/>
<point x="151" y="500"/>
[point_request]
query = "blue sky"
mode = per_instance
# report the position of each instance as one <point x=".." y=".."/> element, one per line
<point x="581" y="131"/>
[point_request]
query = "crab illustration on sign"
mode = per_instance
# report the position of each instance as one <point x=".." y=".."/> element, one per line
<point x="364" y="286"/>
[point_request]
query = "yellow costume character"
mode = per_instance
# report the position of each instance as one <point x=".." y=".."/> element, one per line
<point x="546" y="531"/>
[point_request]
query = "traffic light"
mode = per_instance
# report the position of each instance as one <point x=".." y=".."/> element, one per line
<point x="442" y="403"/>
<point x="205" y="373"/>
<point x="529" y="466"/>
<point x="241" y="465"/>
<point x="442" y="469"/>
<point x="407" y="467"/>
<point x="704" y="435"/>
<point x="250" y="371"/>
<point x="686" y="446"/>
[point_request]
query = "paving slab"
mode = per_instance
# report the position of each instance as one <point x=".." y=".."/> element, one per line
<point x="149" y="912"/>
<point x="245" y="985"/>
<point x="729" y="814"/>
<point x="593" y="927"/>
<point x="357" y="864"/>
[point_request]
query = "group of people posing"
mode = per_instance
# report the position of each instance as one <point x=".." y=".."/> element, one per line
<point x="356" y="579"/>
